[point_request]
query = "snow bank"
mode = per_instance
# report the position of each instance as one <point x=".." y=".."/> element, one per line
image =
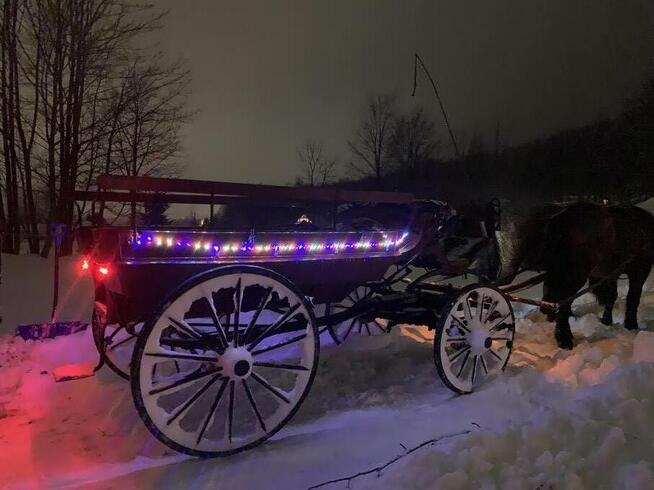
<point x="644" y="347"/>
<point x="598" y="438"/>
<point x="555" y="419"/>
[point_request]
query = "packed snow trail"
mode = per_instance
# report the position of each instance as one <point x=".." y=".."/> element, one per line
<point x="557" y="419"/>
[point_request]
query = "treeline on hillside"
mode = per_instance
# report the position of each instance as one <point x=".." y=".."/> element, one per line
<point x="610" y="159"/>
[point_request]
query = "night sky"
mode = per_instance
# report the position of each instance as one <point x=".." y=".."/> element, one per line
<point x="269" y="74"/>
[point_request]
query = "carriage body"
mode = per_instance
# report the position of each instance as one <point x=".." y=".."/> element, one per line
<point x="142" y="268"/>
<point x="227" y="324"/>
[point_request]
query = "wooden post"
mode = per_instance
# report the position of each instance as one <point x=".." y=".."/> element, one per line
<point x="56" y="231"/>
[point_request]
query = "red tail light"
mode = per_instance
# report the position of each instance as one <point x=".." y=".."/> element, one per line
<point x="100" y="271"/>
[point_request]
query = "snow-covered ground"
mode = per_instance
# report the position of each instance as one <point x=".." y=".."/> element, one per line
<point x="555" y="419"/>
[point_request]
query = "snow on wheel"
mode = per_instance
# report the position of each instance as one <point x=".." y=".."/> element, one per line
<point x="358" y="325"/>
<point x="474" y="337"/>
<point x="226" y="361"/>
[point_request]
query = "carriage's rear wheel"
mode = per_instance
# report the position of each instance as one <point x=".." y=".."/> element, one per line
<point x="225" y="362"/>
<point x="358" y="325"/>
<point x="114" y="342"/>
<point x="474" y="337"/>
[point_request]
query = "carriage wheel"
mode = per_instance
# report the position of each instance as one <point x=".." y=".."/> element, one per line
<point x="225" y="362"/>
<point x="474" y="337"/>
<point x="357" y="325"/>
<point x="116" y="344"/>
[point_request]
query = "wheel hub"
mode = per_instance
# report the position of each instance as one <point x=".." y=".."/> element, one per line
<point x="236" y="363"/>
<point x="478" y="338"/>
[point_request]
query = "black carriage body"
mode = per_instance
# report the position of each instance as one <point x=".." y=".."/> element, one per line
<point x="143" y="265"/>
<point x="134" y="287"/>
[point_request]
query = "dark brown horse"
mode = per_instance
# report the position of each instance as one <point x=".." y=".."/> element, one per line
<point x="587" y="242"/>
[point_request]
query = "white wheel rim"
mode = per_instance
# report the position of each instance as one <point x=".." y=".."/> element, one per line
<point x="357" y="326"/>
<point x="212" y="403"/>
<point x="476" y="341"/>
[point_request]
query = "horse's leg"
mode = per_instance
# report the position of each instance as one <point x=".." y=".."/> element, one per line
<point x="606" y="293"/>
<point x="637" y="272"/>
<point x="561" y="287"/>
<point x="562" y="332"/>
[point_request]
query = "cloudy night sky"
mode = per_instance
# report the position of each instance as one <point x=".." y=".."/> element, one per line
<point x="268" y="75"/>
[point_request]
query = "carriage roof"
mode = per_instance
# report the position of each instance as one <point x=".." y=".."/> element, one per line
<point x="116" y="188"/>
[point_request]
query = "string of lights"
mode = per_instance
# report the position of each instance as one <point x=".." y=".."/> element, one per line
<point x="206" y="246"/>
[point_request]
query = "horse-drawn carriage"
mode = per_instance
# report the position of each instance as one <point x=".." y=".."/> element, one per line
<point x="223" y="328"/>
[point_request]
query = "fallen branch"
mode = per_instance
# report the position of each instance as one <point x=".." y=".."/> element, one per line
<point x="378" y="469"/>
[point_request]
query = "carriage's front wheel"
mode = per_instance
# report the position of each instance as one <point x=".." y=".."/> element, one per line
<point x="474" y="337"/>
<point x="226" y="361"/>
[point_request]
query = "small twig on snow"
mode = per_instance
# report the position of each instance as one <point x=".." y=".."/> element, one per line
<point x="378" y="469"/>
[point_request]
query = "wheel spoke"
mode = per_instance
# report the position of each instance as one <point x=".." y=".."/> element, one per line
<point x="270" y="388"/>
<point x="185" y="328"/>
<point x="194" y="376"/>
<point x="279" y="345"/>
<point x="480" y="306"/>
<point x="255" y="317"/>
<point x="183" y="357"/>
<point x="114" y="333"/>
<point x="474" y="369"/>
<point x="192" y="400"/>
<point x="286" y="316"/>
<point x="491" y="310"/>
<point x="216" y="322"/>
<point x="238" y="293"/>
<point x="466" y="308"/>
<point x="367" y="328"/>
<point x="495" y="354"/>
<point x="498" y="321"/>
<point x="347" y="334"/>
<point x="230" y="414"/>
<point x="214" y="405"/>
<point x="460" y="323"/>
<point x="290" y="367"/>
<point x="483" y="364"/>
<point x="459" y="353"/>
<point x="254" y="405"/>
<point x="463" y="364"/>
<point x="380" y="326"/>
<point x="456" y="339"/>
<point x="124" y="341"/>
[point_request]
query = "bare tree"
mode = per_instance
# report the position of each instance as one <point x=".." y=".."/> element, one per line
<point x="413" y="141"/>
<point x="19" y="119"/>
<point x="69" y="84"/>
<point x="317" y="169"/>
<point x="370" y="146"/>
<point x="148" y="138"/>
